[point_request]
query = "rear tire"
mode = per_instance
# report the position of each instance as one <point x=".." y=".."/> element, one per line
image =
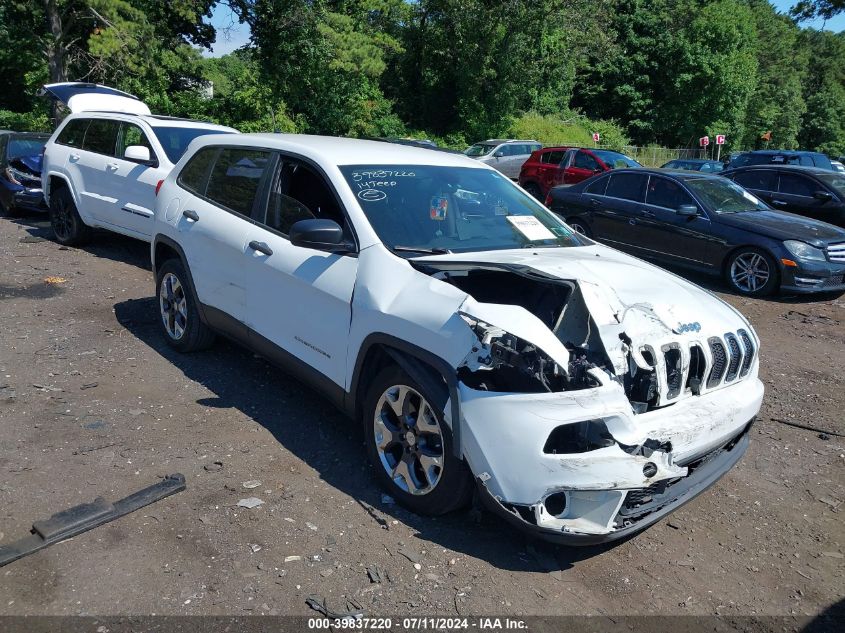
<point x="179" y="315"/>
<point x="68" y="227"/>
<point x="534" y="190"/>
<point x="412" y="452"/>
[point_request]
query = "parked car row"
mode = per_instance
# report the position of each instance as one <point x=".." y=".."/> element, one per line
<point x="481" y="341"/>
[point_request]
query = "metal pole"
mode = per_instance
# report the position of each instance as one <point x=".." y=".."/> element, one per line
<point x="718" y="151"/>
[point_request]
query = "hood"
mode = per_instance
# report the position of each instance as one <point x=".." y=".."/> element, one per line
<point x="31" y="163"/>
<point x="784" y="226"/>
<point x="627" y="298"/>
<point x="85" y="97"/>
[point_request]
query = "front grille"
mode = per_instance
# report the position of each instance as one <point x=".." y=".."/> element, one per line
<point x="836" y="252"/>
<point x="674" y="370"/>
<point x="748" y="347"/>
<point x="720" y="362"/>
<point x="736" y="356"/>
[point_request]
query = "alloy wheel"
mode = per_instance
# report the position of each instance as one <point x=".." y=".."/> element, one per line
<point x="62" y="220"/>
<point x="750" y="272"/>
<point x="174" y="307"/>
<point x="409" y="440"/>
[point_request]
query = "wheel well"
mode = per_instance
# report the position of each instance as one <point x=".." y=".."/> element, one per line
<point x="56" y="183"/>
<point x="379" y="356"/>
<point x="163" y="252"/>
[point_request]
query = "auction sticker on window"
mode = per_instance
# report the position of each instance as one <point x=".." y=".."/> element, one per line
<point x="439" y="205"/>
<point x="531" y="227"/>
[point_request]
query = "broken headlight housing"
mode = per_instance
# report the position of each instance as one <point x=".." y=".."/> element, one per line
<point x="504" y="362"/>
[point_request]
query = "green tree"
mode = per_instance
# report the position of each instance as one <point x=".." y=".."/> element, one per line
<point x="823" y="124"/>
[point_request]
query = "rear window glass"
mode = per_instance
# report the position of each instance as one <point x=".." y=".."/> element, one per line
<point x="194" y="175"/>
<point x="26" y="146"/>
<point x="597" y="187"/>
<point x="101" y="137"/>
<point x="235" y="178"/>
<point x="175" y="140"/>
<point x="73" y="133"/>
<point x="553" y="158"/>
<point x="666" y="193"/>
<point x="795" y="185"/>
<point x="627" y="186"/>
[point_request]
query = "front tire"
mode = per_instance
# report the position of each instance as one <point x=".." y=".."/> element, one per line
<point x="410" y="446"/>
<point x="752" y="272"/>
<point x="68" y="227"/>
<point x="180" y="320"/>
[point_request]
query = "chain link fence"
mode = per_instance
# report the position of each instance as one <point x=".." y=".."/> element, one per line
<point x="654" y="156"/>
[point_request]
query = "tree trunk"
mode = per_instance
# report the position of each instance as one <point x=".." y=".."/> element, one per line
<point x="55" y="52"/>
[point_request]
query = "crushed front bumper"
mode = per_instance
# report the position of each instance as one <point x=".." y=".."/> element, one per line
<point x="675" y="495"/>
<point x="654" y="463"/>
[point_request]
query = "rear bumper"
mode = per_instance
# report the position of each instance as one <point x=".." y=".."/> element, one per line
<point x="705" y="472"/>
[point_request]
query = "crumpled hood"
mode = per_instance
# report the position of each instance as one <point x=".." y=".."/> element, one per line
<point x="623" y="294"/>
<point x="32" y="163"/>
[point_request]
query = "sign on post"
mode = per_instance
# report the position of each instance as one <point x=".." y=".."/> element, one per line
<point x="720" y="139"/>
<point x="704" y="141"/>
<point x="596" y="137"/>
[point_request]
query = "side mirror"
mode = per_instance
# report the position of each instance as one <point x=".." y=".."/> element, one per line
<point x="499" y="153"/>
<point x="138" y="154"/>
<point x="824" y="196"/>
<point x="687" y="211"/>
<point x="319" y="234"/>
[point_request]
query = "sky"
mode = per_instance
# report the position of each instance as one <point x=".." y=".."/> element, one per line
<point x="231" y="35"/>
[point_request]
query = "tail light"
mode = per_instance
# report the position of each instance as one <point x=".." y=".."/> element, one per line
<point x="158" y="185"/>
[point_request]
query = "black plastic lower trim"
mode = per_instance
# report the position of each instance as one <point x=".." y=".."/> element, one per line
<point x="684" y="491"/>
<point x="87" y="516"/>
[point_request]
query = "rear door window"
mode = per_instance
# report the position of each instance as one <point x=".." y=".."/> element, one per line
<point x="584" y="161"/>
<point x="101" y="137"/>
<point x="597" y="187"/>
<point x="758" y="179"/>
<point x="796" y="185"/>
<point x="627" y="187"/>
<point x="236" y="178"/>
<point x="73" y="133"/>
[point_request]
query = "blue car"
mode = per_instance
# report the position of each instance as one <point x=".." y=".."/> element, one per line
<point x="20" y="172"/>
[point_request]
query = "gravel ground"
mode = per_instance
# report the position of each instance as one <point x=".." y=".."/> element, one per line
<point x="93" y="403"/>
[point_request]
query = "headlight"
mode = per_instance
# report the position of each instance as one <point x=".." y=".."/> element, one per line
<point x="801" y="250"/>
<point x="16" y="176"/>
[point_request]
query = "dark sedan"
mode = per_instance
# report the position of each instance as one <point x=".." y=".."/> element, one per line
<point x="707" y="223"/>
<point x="695" y="164"/>
<point x="816" y="193"/>
<point x="20" y="171"/>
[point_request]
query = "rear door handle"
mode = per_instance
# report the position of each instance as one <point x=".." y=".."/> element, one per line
<point x="780" y="203"/>
<point x="191" y="215"/>
<point x="595" y="203"/>
<point x="74" y="157"/>
<point x="261" y="247"/>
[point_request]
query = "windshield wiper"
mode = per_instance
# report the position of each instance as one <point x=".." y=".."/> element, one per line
<point x="421" y="249"/>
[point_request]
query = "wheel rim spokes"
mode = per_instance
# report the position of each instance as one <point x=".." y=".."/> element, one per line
<point x="409" y="440"/>
<point x="750" y="272"/>
<point x="174" y="307"/>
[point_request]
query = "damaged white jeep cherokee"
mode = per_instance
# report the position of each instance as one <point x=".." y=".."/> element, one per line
<point x="585" y="392"/>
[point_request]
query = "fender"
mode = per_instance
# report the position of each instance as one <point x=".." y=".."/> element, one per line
<point x="45" y="181"/>
<point x="419" y="364"/>
<point x="163" y="239"/>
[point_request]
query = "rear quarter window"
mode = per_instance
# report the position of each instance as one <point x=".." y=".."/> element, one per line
<point x="194" y="175"/>
<point x="73" y="133"/>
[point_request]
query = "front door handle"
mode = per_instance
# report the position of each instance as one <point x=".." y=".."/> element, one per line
<point x="595" y="203"/>
<point x="112" y="166"/>
<point x="779" y="203"/>
<point x="261" y="247"/>
<point x="632" y="221"/>
<point x="191" y="215"/>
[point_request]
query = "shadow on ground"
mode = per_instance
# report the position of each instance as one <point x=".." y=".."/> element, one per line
<point x="103" y="244"/>
<point x="305" y="424"/>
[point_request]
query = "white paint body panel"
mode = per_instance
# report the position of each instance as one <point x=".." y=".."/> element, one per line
<point x="336" y="302"/>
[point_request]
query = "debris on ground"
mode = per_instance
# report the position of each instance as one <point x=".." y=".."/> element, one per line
<point x="318" y="603"/>
<point x="291" y="559"/>
<point x="55" y="280"/>
<point x="806" y="427"/>
<point x="374" y="572"/>
<point x="409" y="554"/>
<point x="255" y="547"/>
<point x="213" y="467"/>
<point x="311" y="526"/>
<point x="250" y="502"/>
<point x="252" y="483"/>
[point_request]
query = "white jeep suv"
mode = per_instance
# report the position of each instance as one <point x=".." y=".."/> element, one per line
<point x="478" y="338"/>
<point x="104" y="162"/>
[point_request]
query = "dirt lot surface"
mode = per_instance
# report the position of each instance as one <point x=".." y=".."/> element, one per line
<point x="92" y="402"/>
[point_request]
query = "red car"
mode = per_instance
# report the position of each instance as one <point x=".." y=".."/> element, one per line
<point x="552" y="166"/>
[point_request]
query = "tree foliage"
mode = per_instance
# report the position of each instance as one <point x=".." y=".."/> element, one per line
<point x="644" y="71"/>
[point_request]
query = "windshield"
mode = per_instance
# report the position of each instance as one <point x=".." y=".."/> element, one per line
<point x="26" y="146"/>
<point x="175" y="140"/>
<point x="615" y="160"/>
<point x="481" y="149"/>
<point x="724" y="196"/>
<point x="461" y="209"/>
<point x="833" y="180"/>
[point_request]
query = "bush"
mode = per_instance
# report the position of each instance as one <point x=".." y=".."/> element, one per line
<point x="35" y="121"/>
<point x="575" y="129"/>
